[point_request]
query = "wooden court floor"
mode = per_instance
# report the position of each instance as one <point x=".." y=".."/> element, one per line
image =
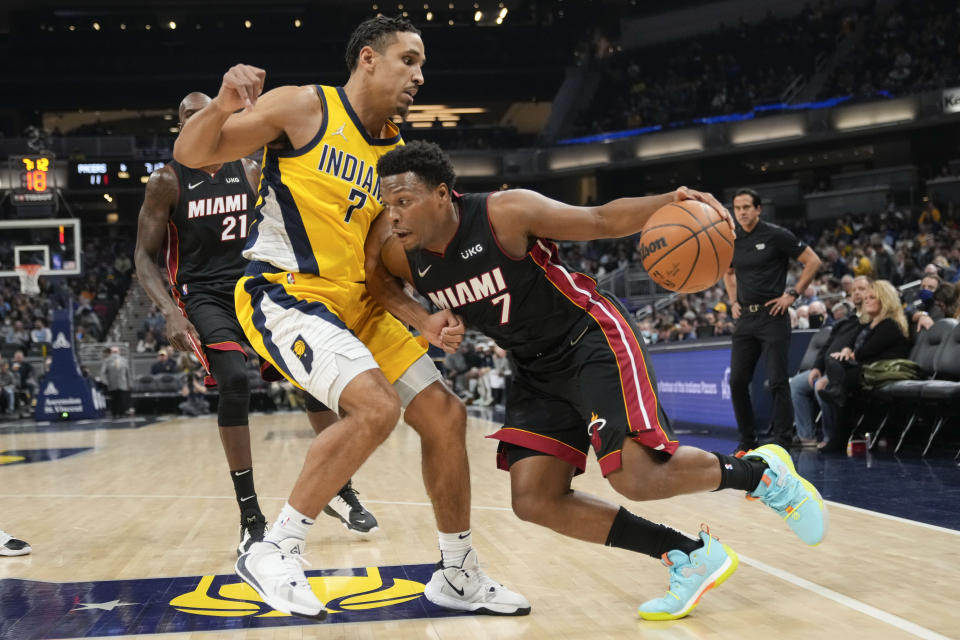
<point x="157" y="502"/>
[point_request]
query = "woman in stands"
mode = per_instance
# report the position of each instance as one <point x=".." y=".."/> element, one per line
<point x="883" y="335"/>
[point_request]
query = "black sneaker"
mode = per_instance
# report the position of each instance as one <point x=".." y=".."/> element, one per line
<point x="346" y="507"/>
<point x="252" y="529"/>
<point x="10" y="546"/>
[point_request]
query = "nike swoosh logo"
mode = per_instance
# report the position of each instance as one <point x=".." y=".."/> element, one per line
<point x="577" y="339"/>
<point x="424" y="272"/>
<point x="247" y="498"/>
<point x="194" y="186"/>
<point x="466" y="535"/>
<point x="459" y="591"/>
<point x="240" y="473"/>
<point x="306" y="522"/>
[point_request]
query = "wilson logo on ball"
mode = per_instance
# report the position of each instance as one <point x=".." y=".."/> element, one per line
<point x="652" y="247"/>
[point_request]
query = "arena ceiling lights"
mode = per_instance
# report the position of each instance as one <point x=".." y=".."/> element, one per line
<point x="875" y="114"/>
<point x="767" y="129"/>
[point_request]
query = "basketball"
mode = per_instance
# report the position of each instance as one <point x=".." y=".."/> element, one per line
<point x="686" y="246"/>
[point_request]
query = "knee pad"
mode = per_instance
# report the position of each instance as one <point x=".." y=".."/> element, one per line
<point x="229" y="370"/>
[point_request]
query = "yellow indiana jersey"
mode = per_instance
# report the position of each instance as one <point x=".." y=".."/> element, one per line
<point x="317" y="202"/>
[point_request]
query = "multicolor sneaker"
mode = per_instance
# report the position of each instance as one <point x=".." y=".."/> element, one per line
<point x="252" y="529"/>
<point x="796" y="500"/>
<point x="468" y="588"/>
<point x="275" y="572"/>
<point x="690" y="577"/>
<point x="10" y="546"/>
<point x="346" y="507"/>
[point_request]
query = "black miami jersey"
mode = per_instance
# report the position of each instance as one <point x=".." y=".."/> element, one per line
<point x="583" y="379"/>
<point x="209" y="226"/>
<point x="523" y="304"/>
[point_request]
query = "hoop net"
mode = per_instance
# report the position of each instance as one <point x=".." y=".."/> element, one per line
<point x="29" y="275"/>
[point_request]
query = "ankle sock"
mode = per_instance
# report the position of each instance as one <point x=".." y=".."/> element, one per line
<point x="634" y="533"/>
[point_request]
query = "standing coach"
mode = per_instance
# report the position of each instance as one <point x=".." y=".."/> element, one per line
<point x="756" y="285"/>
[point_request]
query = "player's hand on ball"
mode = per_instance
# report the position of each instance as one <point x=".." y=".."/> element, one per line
<point x="242" y="85"/>
<point x="685" y="193"/>
<point x="179" y="333"/>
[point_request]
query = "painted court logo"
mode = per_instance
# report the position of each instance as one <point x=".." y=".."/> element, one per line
<point x="303" y="352"/>
<point x="33" y="610"/>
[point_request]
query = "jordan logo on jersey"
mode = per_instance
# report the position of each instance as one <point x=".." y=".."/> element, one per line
<point x="339" y="132"/>
<point x="303" y="352"/>
<point x="473" y="290"/>
<point x="216" y="206"/>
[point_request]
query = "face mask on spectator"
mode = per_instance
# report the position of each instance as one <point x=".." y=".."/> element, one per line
<point x="816" y="321"/>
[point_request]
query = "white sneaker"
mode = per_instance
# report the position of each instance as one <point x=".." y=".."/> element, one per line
<point x="10" y="546"/>
<point x="279" y="579"/>
<point x="468" y="588"/>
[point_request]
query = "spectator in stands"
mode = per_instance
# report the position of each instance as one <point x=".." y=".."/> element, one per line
<point x="817" y="315"/>
<point x="804" y="384"/>
<point x="41" y="333"/>
<point x="500" y="375"/>
<point x="148" y="343"/>
<point x="943" y="305"/>
<point x="923" y="303"/>
<point x="839" y="312"/>
<point x="163" y="364"/>
<point x="455" y="367"/>
<point x="930" y="214"/>
<point x="155" y="322"/>
<point x="8" y="386"/>
<point x="25" y="377"/>
<point x="882" y="335"/>
<point x="803" y="317"/>
<point x="115" y="374"/>
<point x="18" y="336"/>
<point x="193" y="392"/>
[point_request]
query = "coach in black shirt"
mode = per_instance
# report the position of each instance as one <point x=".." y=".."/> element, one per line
<point x="756" y="283"/>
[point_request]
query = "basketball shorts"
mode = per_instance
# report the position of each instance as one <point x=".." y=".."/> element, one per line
<point x="595" y="389"/>
<point x="320" y="334"/>
<point x="210" y="309"/>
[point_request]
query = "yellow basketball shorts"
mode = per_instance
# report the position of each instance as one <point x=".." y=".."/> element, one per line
<point x="321" y="334"/>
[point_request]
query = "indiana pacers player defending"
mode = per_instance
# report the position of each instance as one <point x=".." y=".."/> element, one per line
<point x="199" y="219"/>
<point x="304" y="306"/>
<point x="583" y="378"/>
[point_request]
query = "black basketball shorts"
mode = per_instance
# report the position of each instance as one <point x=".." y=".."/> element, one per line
<point x="594" y="390"/>
<point x="211" y="310"/>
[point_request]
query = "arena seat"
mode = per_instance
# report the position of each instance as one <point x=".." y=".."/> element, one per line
<point x="944" y="392"/>
<point x="816" y="343"/>
<point x="925" y="353"/>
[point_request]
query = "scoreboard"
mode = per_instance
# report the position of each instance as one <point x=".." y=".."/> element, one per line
<point x="33" y="179"/>
<point x="102" y="175"/>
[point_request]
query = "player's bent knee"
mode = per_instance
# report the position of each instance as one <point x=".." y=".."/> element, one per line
<point x="234" y="404"/>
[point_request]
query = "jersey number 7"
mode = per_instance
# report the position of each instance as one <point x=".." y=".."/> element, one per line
<point x="358" y="198"/>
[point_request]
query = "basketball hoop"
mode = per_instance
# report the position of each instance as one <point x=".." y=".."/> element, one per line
<point x="29" y="278"/>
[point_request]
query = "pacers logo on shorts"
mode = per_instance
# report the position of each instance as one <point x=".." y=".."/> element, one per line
<point x="303" y="352"/>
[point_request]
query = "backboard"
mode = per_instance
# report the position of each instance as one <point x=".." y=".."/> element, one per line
<point x="54" y="243"/>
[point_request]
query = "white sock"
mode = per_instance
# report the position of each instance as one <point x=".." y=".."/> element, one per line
<point x="289" y="524"/>
<point x="454" y="547"/>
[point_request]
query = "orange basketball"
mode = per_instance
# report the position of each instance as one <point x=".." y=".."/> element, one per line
<point x="686" y="246"/>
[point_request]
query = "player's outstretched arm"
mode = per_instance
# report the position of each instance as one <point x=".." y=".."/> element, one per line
<point x="521" y="213"/>
<point x="240" y="120"/>
<point x="159" y="200"/>
<point x="386" y="269"/>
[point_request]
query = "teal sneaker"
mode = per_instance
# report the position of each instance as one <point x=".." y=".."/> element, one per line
<point x="690" y="577"/>
<point x="782" y="489"/>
